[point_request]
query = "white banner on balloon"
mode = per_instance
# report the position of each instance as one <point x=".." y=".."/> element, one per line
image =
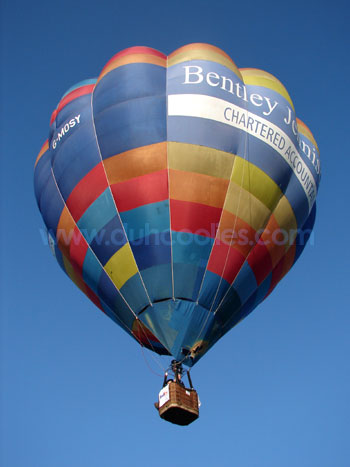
<point x="213" y="108"/>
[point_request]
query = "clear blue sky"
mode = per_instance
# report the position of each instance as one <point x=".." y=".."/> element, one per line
<point x="75" y="389"/>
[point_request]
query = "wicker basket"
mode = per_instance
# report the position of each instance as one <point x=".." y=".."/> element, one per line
<point x="178" y="404"/>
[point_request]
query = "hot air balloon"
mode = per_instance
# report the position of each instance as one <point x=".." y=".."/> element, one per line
<point x="177" y="191"/>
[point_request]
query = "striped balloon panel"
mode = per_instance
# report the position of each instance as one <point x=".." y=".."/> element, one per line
<point x="87" y="226"/>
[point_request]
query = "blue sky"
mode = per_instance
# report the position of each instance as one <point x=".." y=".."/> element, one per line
<point x="75" y="389"/>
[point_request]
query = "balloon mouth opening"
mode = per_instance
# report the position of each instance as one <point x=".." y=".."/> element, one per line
<point x="180" y="326"/>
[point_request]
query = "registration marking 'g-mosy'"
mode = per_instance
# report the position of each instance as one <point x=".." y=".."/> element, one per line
<point x="65" y="129"/>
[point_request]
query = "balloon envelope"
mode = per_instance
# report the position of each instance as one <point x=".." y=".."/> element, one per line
<point x="177" y="192"/>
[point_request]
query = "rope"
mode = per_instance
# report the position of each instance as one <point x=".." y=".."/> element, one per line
<point x="149" y="366"/>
